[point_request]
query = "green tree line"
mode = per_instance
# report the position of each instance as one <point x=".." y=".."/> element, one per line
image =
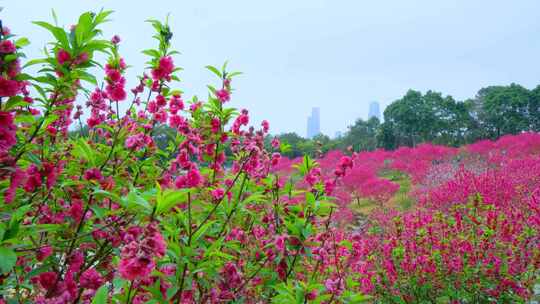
<point x="431" y="117"/>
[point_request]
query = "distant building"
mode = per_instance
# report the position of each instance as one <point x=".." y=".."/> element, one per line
<point x="314" y="123"/>
<point x="338" y="134"/>
<point x="374" y="110"/>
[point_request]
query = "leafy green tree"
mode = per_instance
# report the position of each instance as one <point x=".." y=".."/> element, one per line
<point x="449" y="119"/>
<point x="405" y="114"/>
<point x="362" y="135"/>
<point x="411" y="118"/>
<point x="295" y="143"/>
<point x="504" y="109"/>
<point x="386" y="137"/>
<point x="534" y="109"/>
<point x="429" y="117"/>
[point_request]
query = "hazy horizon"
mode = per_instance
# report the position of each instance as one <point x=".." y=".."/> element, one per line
<point x="338" y="56"/>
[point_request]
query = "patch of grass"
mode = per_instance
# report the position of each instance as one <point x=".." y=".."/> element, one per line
<point x="363" y="205"/>
<point x="401" y="199"/>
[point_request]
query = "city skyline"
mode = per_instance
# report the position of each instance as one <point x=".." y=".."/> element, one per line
<point x="314" y="126"/>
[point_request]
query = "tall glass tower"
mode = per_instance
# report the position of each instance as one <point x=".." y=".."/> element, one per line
<point x="374" y="110"/>
<point x="314" y="123"/>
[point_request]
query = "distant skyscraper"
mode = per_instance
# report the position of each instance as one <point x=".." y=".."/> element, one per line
<point x="374" y="110"/>
<point x="314" y="123"/>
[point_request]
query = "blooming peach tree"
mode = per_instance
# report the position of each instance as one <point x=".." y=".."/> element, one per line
<point x="472" y="235"/>
<point x="94" y="210"/>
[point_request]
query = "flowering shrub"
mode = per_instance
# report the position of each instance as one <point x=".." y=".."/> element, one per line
<point x="472" y="236"/>
<point x="477" y="253"/>
<point x="105" y="214"/>
<point x="508" y="146"/>
<point x="417" y="161"/>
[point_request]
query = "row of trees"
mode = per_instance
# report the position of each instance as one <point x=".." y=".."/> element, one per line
<point x="431" y="117"/>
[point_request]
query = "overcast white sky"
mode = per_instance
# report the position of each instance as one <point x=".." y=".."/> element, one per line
<point x="337" y="55"/>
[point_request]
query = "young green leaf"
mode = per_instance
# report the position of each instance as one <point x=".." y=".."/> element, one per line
<point x="83" y="28"/>
<point x="58" y="33"/>
<point x="101" y="295"/>
<point x="8" y="258"/>
<point x="214" y="70"/>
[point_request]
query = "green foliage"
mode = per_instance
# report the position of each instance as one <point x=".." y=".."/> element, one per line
<point x="431" y="117"/>
<point x="505" y="110"/>
<point x="8" y="258"/>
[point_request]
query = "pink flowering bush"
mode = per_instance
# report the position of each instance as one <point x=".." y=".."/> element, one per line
<point x="417" y="161"/>
<point x="475" y="253"/>
<point x="472" y="236"/>
<point x="103" y="214"/>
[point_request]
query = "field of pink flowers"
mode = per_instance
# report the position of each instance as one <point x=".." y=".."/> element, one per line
<point x="105" y="215"/>
<point x="471" y="235"/>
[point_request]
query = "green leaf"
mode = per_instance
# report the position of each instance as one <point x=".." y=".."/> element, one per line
<point x="360" y="298"/>
<point x="83" y="150"/>
<point x="87" y="77"/>
<point x="170" y="198"/>
<point x="285" y="147"/>
<point x="12" y="230"/>
<point x="214" y="70"/>
<point x="99" y="212"/>
<point x="39" y="228"/>
<point x="25" y="118"/>
<point x="83" y="27"/>
<point x="10" y="58"/>
<point x="346" y="243"/>
<point x="234" y="74"/>
<point x="23" y="76"/>
<point x="55" y="17"/>
<point x="103" y="193"/>
<point x="20" y="213"/>
<point x="156" y="24"/>
<point x="306" y="165"/>
<point x="256" y="197"/>
<point x="221" y="255"/>
<point x="201" y="231"/>
<point x="97" y="45"/>
<point x="224" y="67"/>
<point x="310" y="198"/>
<point x="182" y="218"/>
<point x="22" y="42"/>
<point x="155" y="290"/>
<point x="8" y="258"/>
<point x="101" y="295"/>
<point x="299" y="295"/>
<point x="151" y="53"/>
<point x="102" y="17"/>
<point x="15" y="101"/>
<point x="49" y="120"/>
<point x="41" y="91"/>
<point x="135" y="199"/>
<point x="58" y="33"/>
<point x="173" y="53"/>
